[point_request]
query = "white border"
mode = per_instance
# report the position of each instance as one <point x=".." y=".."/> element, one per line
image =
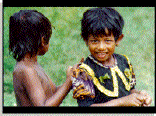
<point x="48" y="114"/>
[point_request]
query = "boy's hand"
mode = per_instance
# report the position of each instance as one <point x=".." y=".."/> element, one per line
<point x="133" y="99"/>
<point x="80" y="92"/>
<point x="147" y="100"/>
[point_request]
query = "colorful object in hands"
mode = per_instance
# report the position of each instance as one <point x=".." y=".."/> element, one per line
<point x="82" y="83"/>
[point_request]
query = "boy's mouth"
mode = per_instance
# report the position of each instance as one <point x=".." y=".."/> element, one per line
<point x="101" y="54"/>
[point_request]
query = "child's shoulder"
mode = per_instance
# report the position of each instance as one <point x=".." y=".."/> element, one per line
<point x="22" y="70"/>
<point x="122" y="58"/>
<point x="21" y="66"/>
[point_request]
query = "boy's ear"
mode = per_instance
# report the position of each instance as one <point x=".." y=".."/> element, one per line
<point x="42" y="41"/>
<point x="86" y="41"/>
<point x="119" y="39"/>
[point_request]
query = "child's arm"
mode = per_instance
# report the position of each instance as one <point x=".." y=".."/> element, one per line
<point x="148" y="98"/>
<point x="135" y="91"/>
<point x="61" y="91"/>
<point x="133" y="99"/>
<point x="136" y="98"/>
<point x="36" y="93"/>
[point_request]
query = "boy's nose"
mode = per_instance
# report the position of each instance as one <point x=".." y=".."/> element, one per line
<point x="101" y="46"/>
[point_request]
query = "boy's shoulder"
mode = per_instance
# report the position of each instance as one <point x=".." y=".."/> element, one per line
<point x="21" y="70"/>
<point x="121" y="58"/>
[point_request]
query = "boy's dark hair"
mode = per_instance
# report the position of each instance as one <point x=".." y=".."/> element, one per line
<point x="26" y="29"/>
<point x="96" y="20"/>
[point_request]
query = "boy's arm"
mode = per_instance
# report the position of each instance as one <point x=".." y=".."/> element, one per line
<point x="61" y="91"/>
<point x="133" y="99"/>
<point x="59" y="95"/>
<point x="134" y="91"/>
<point x="68" y="78"/>
<point x="147" y="97"/>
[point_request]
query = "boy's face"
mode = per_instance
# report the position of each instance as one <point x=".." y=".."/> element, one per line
<point x="103" y="47"/>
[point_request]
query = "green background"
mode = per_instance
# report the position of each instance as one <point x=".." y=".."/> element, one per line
<point x="67" y="47"/>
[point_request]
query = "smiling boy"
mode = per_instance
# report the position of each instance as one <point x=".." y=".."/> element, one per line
<point x="113" y="75"/>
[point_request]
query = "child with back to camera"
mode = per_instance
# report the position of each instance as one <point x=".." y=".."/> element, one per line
<point x="30" y="32"/>
<point x="113" y="76"/>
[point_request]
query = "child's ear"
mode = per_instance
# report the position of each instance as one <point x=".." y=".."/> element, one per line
<point x="86" y="41"/>
<point x="119" y="39"/>
<point x="42" y="41"/>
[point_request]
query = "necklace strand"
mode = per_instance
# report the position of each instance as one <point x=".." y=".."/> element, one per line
<point x="100" y="64"/>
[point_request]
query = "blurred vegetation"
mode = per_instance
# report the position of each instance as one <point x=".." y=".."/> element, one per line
<point x="67" y="46"/>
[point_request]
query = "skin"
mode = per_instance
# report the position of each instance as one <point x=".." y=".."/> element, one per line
<point x="32" y="85"/>
<point x="102" y="48"/>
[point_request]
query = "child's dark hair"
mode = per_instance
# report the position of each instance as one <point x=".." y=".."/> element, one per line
<point x="96" y="20"/>
<point x="26" y="29"/>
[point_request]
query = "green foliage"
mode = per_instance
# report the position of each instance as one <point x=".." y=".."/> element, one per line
<point x="67" y="46"/>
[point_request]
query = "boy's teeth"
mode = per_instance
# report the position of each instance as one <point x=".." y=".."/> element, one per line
<point x="101" y="53"/>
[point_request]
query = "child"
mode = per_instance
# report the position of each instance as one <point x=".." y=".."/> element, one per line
<point x="30" y="32"/>
<point x="113" y="76"/>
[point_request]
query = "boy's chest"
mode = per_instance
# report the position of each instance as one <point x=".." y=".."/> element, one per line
<point x="111" y="82"/>
<point x="45" y="81"/>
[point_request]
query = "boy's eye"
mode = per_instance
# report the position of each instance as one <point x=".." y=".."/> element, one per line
<point x="94" y="41"/>
<point x="108" y="40"/>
